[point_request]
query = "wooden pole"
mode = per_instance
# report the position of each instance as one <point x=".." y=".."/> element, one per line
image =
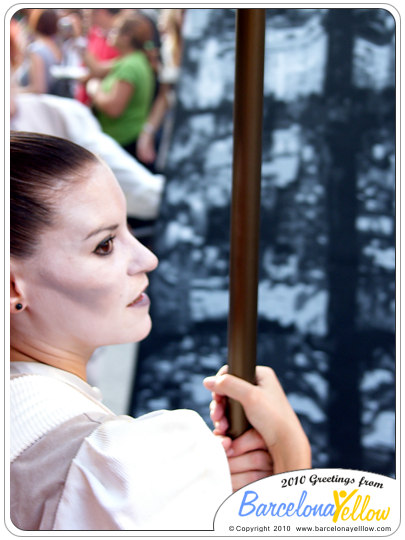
<point x="245" y="206"/>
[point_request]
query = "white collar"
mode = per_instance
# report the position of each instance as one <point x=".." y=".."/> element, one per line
<point x="36" y="368"/>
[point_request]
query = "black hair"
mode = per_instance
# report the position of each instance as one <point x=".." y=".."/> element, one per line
<point x="40" y="165"/>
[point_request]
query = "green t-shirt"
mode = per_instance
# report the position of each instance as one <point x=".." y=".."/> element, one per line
<point x="135" y="69"/>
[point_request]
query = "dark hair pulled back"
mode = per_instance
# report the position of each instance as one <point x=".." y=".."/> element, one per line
<point x="40" y="166"/>
<point x="138" y="28"/>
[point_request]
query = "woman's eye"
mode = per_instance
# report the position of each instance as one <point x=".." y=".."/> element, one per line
<point x="105" y="247"/>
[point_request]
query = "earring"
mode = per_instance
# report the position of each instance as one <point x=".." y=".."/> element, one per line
<point x="18" y="307"/>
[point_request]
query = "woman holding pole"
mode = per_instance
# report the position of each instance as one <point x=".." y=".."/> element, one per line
<point x="77" y="282"/>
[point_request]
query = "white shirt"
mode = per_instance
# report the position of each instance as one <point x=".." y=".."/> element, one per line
<point x="162" y="471"/>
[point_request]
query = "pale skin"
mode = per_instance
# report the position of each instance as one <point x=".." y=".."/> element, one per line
<point x="78" y="289"/>
<point x="84" y="288"/>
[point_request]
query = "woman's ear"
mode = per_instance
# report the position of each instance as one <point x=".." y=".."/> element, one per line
<point x="17" y="302"/>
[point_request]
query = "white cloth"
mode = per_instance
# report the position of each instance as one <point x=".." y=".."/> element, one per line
<point x="28" y="423"/>
<point x="162" y="471"/>
<point x="70" y="119"/>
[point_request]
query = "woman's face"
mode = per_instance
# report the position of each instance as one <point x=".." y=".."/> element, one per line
<point x="84" y="286"/>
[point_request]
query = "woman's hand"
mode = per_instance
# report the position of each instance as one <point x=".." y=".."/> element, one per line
<point x="145" y="148"/>
<point x="249" y="460"/>
<point x="248" y="457"/>
<point x="268" y="411"/>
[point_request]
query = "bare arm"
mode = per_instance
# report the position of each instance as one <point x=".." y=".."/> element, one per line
<point x="145" y="147"/>
<point x="112" y="103"/>
<point x="97" y="68"/>
<point x="36" y="76"/>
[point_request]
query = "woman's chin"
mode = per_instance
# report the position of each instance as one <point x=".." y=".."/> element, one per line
<point x="142" y="330"/>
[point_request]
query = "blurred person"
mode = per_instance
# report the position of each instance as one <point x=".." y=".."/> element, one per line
<point x="98" y="49"/>
<point x="16" y="59"/>
<point x="157" y="129"/>
<point x="19" y="21"/>
<point x="16" y="45"/>
<point x="77" y="282"/>
<point x="43" y="53"/>
<point x="170" y="26"/>
<point x="153" y="45"/>
<point x="73" y="42"/>
<point x="122" y="99"/>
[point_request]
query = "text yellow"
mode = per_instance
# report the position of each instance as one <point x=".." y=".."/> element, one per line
<point x="358" y="510"/>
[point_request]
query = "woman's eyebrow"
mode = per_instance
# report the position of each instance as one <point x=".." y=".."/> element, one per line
<point x="102" y="229"/>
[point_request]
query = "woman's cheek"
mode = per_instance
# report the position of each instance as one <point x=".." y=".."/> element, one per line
<point x="94" y="293"/>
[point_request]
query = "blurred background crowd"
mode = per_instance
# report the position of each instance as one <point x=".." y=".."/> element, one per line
<point x="104" y="78"/>
<point x="122" y="63"/>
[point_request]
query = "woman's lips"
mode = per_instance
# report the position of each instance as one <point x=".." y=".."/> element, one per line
<point x="141" y="300"/>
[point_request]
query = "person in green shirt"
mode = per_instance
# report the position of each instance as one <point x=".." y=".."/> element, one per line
<point x="123" y="97"/>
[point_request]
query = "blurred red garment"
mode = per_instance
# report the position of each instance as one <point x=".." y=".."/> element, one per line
<point x="99" y="47"/>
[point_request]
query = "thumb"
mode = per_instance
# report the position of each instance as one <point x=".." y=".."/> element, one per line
<point x="230" y="386"/>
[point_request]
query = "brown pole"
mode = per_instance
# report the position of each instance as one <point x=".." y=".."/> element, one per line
<point x="245" y="206"/>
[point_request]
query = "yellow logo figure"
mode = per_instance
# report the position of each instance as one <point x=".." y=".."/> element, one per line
<point x="346" y="512"/>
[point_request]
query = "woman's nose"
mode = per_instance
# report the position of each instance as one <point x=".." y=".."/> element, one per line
<point x="141" y="259"/>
